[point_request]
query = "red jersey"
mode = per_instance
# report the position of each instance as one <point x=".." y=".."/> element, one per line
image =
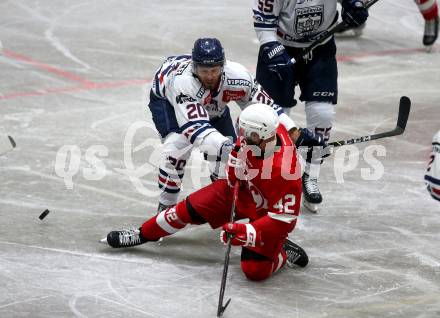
<point x="271" y="200"/>
<point x="274" y="182"/>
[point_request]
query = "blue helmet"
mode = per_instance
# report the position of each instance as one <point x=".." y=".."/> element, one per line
<point x="208" y="52"/>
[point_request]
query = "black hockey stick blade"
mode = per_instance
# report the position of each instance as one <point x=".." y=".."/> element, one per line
<point x="402" y="119"/>
<point x="6" y="144"/>
<point x="404" y="109"/>
<point x="221" y="310"/>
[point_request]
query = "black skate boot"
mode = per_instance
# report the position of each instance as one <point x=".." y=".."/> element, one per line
<point x="124" y="238"/>
<point x="295" y="254"/>
<point x="312" y="197"/>
<point x="431" y="32"/>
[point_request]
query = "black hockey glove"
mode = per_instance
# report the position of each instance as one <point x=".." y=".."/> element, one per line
<point x="308" y="138"/>
<point x="274" y="55"/>
<point x="354" y="12"/>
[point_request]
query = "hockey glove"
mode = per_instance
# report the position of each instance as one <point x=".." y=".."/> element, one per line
<point x="274" y="55"/>
<point x="240" y="234"/>
<point x="225" y="150"/>
<point x="236" y="166"/>
<point x="308" y="138"/>
<point x="211" y="154"/>
<point x="354" y="12"/>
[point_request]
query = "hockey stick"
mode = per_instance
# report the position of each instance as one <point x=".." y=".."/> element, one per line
<point x="221" y="308"/>
<point x="402" y="119"/>
<point x="342" y="26"/>
<point x="6" y="144"/>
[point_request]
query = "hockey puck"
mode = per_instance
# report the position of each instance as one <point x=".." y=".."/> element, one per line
<point x="12" y="142"/>
<point x="44" y="214"/>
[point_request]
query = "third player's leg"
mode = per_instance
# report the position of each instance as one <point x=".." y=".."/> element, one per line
<point x="319" y="91"/>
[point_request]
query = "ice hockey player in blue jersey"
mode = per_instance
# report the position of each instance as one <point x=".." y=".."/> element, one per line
<point x="432" y="176"/>
<point x="188" y="103"/>
<point x="284" y="29"/>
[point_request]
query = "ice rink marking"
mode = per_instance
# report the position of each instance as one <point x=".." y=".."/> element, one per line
<point x="81" y="254"/>
<point x="88" y="85"/>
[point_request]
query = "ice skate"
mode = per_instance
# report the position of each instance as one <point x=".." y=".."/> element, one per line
<point x="124" y="238"/>
<point x="295" y="254"/>
<point x="312" y="197"/>
<point x="431" y="33"/>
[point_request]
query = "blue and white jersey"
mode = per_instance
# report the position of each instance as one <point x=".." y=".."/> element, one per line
<point x="195" y="106"/>
<point x="294" y="23"/>
<point x="432" y="176"/>
<point x="167" y="70"/>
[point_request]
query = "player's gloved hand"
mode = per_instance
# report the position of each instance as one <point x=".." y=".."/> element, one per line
<point x="275" y="56"/>
<point x="225" y="150"/>
<point x="308" y="138"/>
<point x="236" y="165"/>
<point x="354" y="12"/>
<point x="241" y="234"/>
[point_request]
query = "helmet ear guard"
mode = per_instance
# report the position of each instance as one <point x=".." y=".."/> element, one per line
<point x="259" y="119"/>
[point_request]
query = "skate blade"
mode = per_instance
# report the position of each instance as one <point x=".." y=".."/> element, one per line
<point x="311" y="207"/>
<point x="103" y="241"/>
<point x="292" y="264"/>
<point x="429" y="48"/>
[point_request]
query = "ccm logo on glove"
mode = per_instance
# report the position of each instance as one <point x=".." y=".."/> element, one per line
<point x="240" y="234"/>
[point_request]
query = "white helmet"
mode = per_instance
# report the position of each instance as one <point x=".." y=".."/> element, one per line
<point x="260" y="119"/>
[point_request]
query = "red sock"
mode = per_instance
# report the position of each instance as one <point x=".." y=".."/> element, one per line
<point x="428" y="8"/>
<point x="166" y="222"/>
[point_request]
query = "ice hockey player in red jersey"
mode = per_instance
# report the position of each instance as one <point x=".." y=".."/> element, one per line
<point x="429" y="11"/>
<point x="264" y="162"/>
<point x="432" y="176"/>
